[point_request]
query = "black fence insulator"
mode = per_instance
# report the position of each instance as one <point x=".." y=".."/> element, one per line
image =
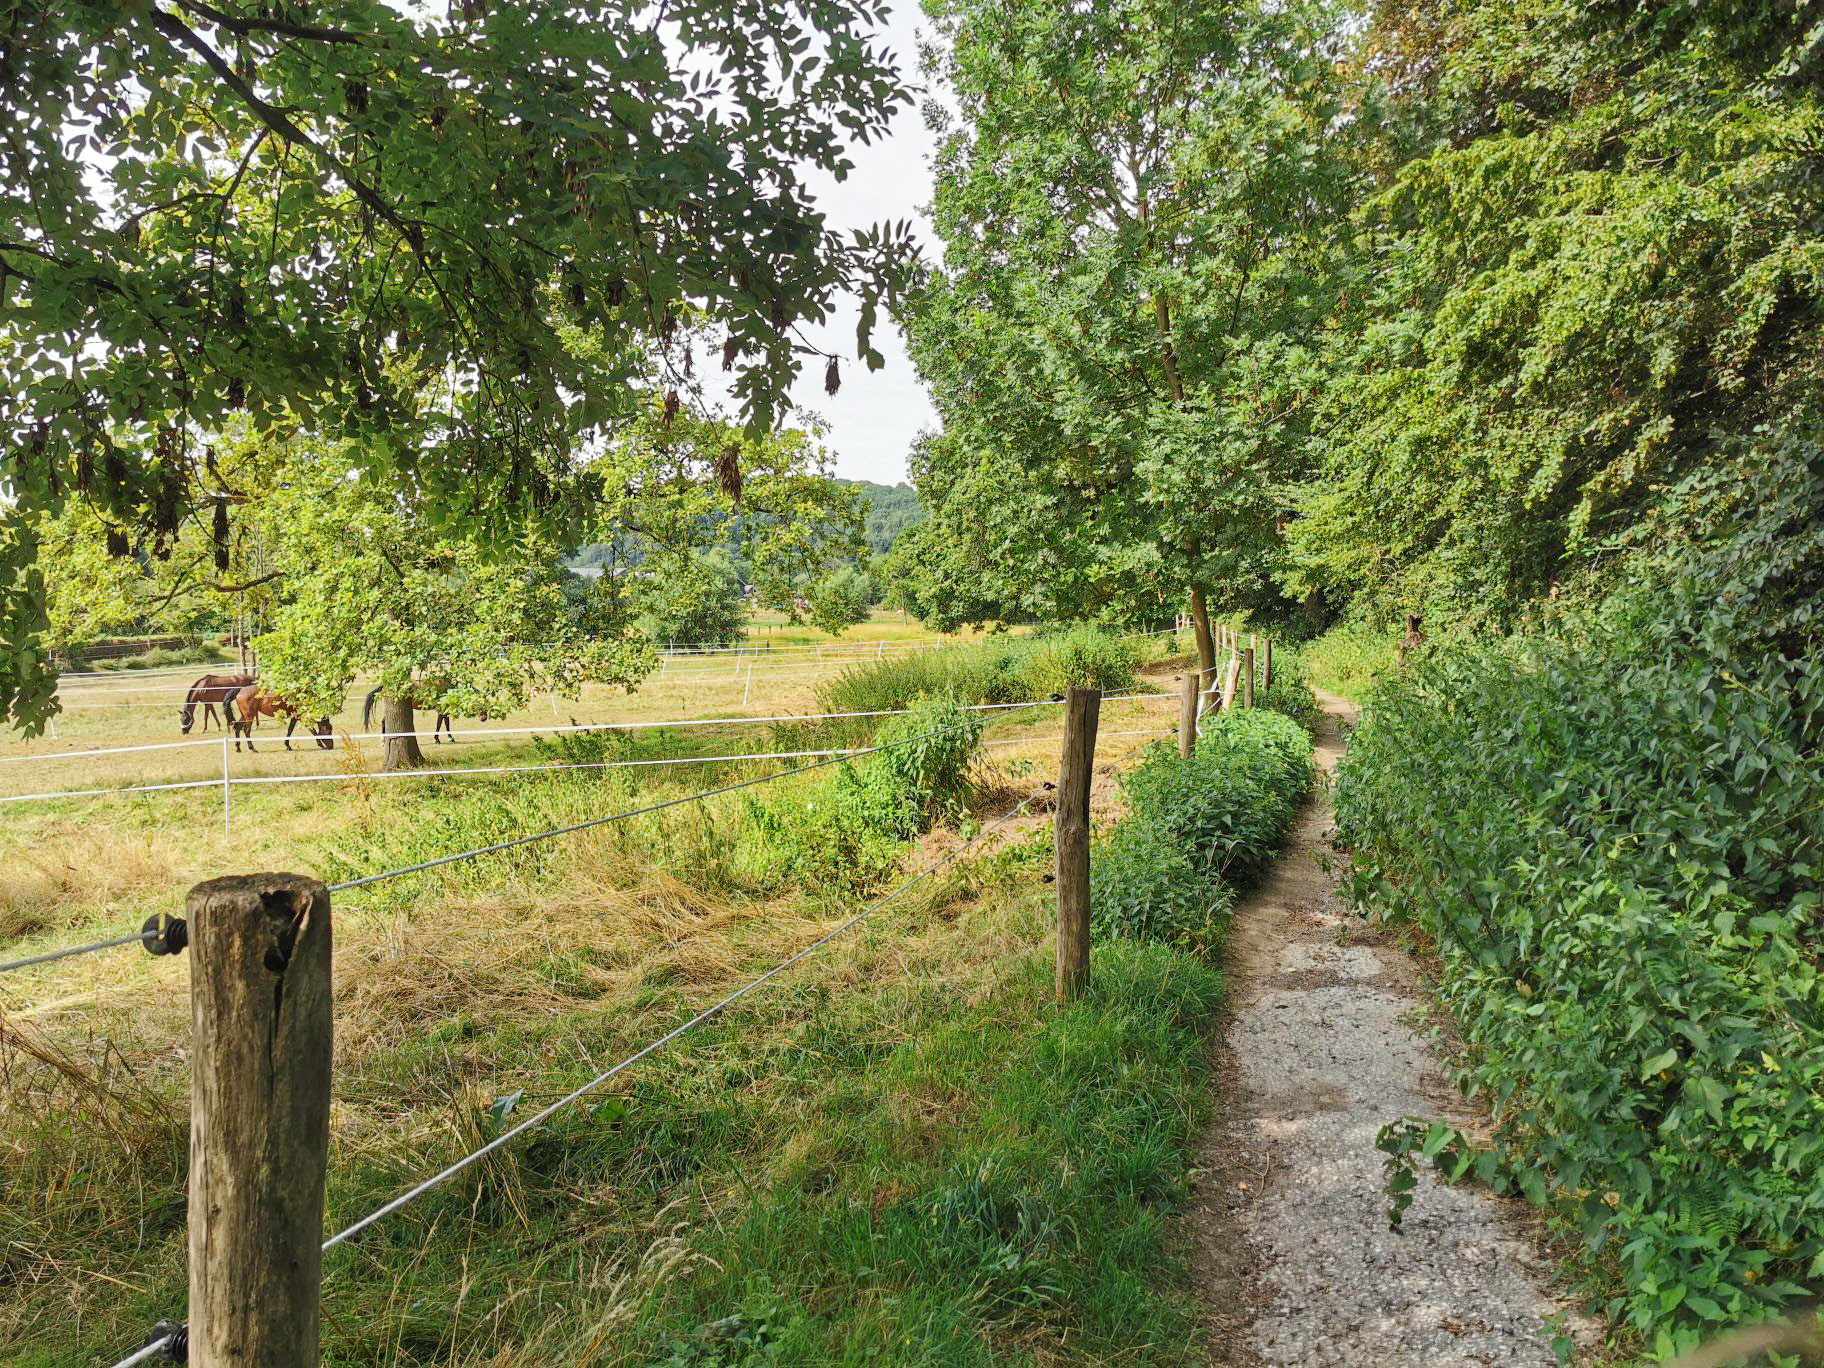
<point x="176" y="1334"/>
<point x="165" y="935"/>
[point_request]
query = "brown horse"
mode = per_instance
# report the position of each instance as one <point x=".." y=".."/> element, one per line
<point x="253" y="702"/>
<point x="210" y="690"/>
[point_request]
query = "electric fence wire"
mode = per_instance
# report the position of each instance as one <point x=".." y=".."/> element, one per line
<point x="476" y="853"/>
<point x="157" y="1347"/>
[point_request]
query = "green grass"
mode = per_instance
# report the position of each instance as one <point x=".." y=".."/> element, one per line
<point x="998" y="670"/>
<point x="905" y="1154"/>
<point x="1349" y="659"/>
<point x="901" y="1149"/>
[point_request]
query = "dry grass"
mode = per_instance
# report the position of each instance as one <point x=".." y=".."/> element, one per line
<point x="453" y="993"/>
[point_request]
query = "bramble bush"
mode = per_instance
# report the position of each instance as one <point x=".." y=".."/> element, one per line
<point x="1614" y="833"/>
<point x="1198" y="828"/>
<point x="1229" y="805"/>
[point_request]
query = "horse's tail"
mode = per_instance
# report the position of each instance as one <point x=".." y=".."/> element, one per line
<point x="367" y="709"/>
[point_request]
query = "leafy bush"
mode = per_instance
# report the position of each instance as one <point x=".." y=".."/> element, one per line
<point x="1290" y="692"/>
<point x="850" y="830"/>
<point x="1228" y="806"/>
<point x="1615" y="834"/>
<point x="1085" y="656"/>
<point x="1142" y="887"/>
<point x="1197" y="828"/>
<point x="999" y="670"/>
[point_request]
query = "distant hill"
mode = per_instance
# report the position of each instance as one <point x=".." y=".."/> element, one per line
<point x="891" y="510"/>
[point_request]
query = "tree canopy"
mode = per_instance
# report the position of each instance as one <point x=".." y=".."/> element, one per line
<point x="1414" y="310"/>
<point x="1138" y="205"/>
<point x="468" y="245"/>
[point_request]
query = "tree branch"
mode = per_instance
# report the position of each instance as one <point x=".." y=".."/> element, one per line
<point x="242" y="25"/>
<point x="175" y="31"/>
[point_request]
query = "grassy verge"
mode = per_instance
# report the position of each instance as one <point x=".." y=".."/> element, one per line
<point x="1350" y="659"/>
<point x="901" y="1152"/>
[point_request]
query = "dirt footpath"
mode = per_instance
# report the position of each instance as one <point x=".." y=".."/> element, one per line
<point x="1295" y="1263"/>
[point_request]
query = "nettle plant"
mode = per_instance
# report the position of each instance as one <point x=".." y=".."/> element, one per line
<point x="1620" y="869"/>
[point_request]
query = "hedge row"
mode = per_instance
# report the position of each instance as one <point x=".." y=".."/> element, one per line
<point x="1197" y="829"/>
<point x="1615" y="843"/>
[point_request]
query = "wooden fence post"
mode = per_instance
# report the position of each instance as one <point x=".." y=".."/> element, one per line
<point x="1230" y="679"/>
<point x="1266" y="665"/>
<point x="1247" y="677"/>
<point x="1082" y="709"/>
<point x="1187" y="712"/>
<point x="259" y="1118"/>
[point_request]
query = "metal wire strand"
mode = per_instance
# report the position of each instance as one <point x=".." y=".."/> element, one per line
<point x="629" y="813"/>
<point x="146" y="1355"/>
<point x="138" y="937"/>
<point x="413" y="1193"/>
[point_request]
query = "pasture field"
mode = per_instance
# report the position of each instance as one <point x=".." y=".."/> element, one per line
<point x="765" y="1192"/>
<point x="134" y="710"/>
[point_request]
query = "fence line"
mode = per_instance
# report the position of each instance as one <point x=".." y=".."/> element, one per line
<point x="673" y="1034"/>
<point x="439" y="773"/>
<point x="517" y="841"/>
<point x="649" y="808"/>
<point x="560" y="729"/>
<point x="179" y="1334"/>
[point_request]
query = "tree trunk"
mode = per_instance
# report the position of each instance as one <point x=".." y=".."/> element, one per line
<point x="1200" y="620"/>
<point x="402" y="749"/>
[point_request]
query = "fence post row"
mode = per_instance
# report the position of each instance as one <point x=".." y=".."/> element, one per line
<point x="1082" y="710"/>
<point x="259" y="1118"/>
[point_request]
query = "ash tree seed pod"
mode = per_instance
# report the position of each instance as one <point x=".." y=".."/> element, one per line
<point x="731" y="348"/>
<point x="118" y="547"/>
<point x="728" y="471"/>
<point x="354" y="95"/>
<point x="832" y="377"/>
<point x="221" y="534"/>
<point x="671" y="406"/>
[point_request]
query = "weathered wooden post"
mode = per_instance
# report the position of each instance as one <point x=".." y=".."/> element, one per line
<point x="1247" y="677"/>
<point x="1187" y="713"/>
<point x="1082" y="710"/>
<point x="1266" y="665"/>
<point x="1230" y="679"/>
<point x="259" y="1118"/>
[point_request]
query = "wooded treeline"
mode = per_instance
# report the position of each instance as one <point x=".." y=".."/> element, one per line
<point x="1272" y="308"/>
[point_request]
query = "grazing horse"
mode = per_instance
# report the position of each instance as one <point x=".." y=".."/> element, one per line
<point x="442" y="724"/>
<point x="210" y="690"/>
<point x="253" y="702"/>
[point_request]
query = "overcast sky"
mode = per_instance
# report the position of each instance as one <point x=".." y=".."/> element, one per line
<point x="875" y="416"/>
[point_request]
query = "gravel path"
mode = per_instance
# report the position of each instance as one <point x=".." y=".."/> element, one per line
<point x="1295" y="1262"/>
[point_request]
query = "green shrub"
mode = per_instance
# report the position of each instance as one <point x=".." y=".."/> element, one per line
<point x="1615" y="837"/>
<point x="850" y="831"/>
<point x="1085" y="656"/>
<point x="1290" y="692"/>
<point x="1197" y="828"/>
<point x="1229" y="805"/>
<point x="1142" y="887"/>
